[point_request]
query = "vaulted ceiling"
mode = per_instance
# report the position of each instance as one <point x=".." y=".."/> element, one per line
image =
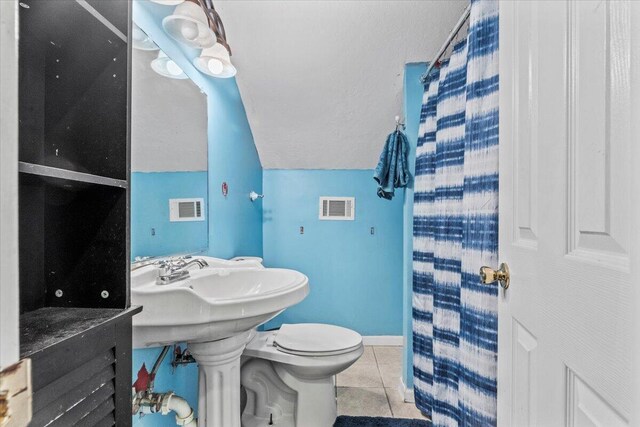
<point x="322" y="80"/>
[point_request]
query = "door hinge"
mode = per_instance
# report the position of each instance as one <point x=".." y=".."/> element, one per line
<point x="16" y="395"/>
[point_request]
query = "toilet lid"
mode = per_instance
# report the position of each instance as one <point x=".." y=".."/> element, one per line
<point x="313" y="339"/>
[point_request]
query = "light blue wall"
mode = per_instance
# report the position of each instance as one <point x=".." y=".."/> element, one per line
<point x="150" y="194"/>
<point x="235" y="224"/>
<point x="413" y="91"/>
<point x="355" y="277"/>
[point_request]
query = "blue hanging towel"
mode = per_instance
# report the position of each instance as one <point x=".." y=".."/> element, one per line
<point x="392" y="171"/>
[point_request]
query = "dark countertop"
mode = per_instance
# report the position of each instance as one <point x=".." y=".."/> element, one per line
<point x="47" y="326"/>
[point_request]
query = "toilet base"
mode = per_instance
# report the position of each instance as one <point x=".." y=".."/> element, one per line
<point x="274" y="394"/>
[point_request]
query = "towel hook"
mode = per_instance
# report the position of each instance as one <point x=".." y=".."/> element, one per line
<point x="399" y="124"/>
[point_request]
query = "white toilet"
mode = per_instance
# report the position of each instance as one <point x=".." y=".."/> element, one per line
<point x="288" y="374"/>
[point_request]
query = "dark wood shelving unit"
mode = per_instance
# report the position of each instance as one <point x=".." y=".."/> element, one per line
<point x="74" y="175"/>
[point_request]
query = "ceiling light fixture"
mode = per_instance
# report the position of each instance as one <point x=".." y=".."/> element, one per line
<point x="167" y="67"/>
<point x="215" y="22"/>
<point x="189" y="25"/>
<point x="215" y="61"/>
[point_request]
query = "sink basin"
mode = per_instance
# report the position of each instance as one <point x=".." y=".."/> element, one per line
<point x="220" y="301"/>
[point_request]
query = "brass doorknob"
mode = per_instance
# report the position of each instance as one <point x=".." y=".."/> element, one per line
<point x="489" y="275"/>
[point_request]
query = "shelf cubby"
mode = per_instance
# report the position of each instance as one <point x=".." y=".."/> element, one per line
<point x="73" y="244"/>
<point x="73" y="88"/>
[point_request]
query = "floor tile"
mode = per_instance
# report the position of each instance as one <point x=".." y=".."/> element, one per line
<point x="360" y="375"/>
<point x="400" y="408"/>
<point x="371" y="402"/>
<point x="367" y="356"/>
<point x="370" y="386"/>
<point x="391" y="374"/>
<point x="388" y="355"/>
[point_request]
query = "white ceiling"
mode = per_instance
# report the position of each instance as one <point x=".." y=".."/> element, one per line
<point x="322" y="80"/>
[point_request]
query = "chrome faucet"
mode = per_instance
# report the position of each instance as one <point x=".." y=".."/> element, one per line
<point x="199" y="261"/>
<point x="173" y="270"/>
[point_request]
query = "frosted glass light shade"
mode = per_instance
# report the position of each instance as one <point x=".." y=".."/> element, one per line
<point x="188" y="24"/>
<point x="215" y="62"/>
<point x="168" y="2"/>
<point x="166" y="67"/>
<point x="141" y="40"/>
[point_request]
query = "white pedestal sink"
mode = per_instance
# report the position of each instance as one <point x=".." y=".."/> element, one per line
<point x="215" y="311"/>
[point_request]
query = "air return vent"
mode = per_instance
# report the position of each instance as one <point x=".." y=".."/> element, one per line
<point x="186" y="210"/>
<point x="338" y="208"/>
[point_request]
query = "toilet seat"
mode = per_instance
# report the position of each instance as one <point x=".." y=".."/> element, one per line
<point x="263" y="346"/>
<point x="316" y="340"/>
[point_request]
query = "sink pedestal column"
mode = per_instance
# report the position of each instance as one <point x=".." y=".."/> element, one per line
<point x="219" y="380"/>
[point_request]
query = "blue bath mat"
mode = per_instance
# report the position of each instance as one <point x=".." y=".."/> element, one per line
<point x="345" y="421"/>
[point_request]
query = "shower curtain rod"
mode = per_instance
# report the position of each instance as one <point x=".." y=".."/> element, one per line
<point x="443" y="49"/>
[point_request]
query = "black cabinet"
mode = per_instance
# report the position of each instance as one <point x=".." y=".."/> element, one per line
<point x="81" y="366"/>
<point x="74" y="113"/>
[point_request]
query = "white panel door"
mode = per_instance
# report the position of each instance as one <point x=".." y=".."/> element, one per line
<point x="569" y="212"/>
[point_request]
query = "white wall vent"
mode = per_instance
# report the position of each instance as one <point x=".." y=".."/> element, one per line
<point x="338" y="208"/>
<point x="186" y="210"/>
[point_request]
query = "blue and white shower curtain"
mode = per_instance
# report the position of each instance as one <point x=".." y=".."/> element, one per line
<point x="456" y="232"/>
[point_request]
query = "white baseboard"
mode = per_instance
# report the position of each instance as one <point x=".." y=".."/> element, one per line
<point x="406" y="393"/>
<point x="396" y="340"/>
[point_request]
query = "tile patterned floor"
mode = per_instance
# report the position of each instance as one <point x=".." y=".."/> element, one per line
<point x="370" y="387"/>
